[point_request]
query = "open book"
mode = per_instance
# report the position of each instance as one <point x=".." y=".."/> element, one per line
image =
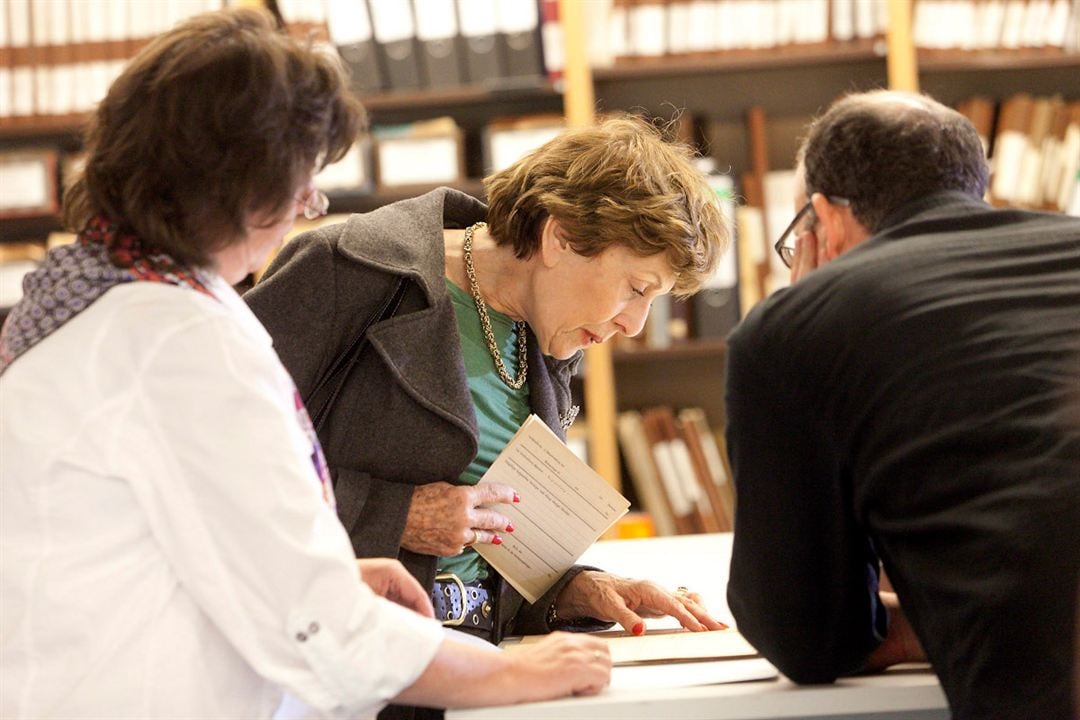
<point x="565" y="506"/>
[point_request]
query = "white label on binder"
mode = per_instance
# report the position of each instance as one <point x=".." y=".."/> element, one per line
<point x="509" y="146"/>
<point x="865" y="21"/>
<point x="1013" y="25"/>
<point x="1056" y="31"/>
<point x="116" y="20"/>
<point x="63" y="89"/>
<point x="843" y="19"/>
<point x="20" y="22"/>
<point x="1034" y="18"/>
<point x="392" y="20"/>
<point x="6" y="108"/>
<point x="727" y="272"/>
<point x="24" y="184"/>
<point x="43" y="82"/>
<point x="348" y="173"/>
<point x="478" y="17"/>
<point x="515" y="16"/>
<point x="1068" y="197"/>
<point x="22" y="91"/>
<point x="11" y="280"/>
<point x="348" y="23"/>
<point x="39" y="26"/>
<point x="669" y="477"/>
<point x="416" y="161"/>
<point x="684" y="467"/>
<point x="647" y="36"/>
<point x="435" y="19"/>
<point x="1009" y="150"/>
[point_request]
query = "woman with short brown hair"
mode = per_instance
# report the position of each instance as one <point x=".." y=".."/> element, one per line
<point x="170" y="546"/>
<point x="494" y="305"/>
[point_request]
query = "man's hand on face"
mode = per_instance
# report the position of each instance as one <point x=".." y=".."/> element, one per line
<point x="809" y="254"/>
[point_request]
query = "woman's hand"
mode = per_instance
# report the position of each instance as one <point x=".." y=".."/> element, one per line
<point x="604" y="596"/>
<point x="389" y="579"/>
<point x="558" y="665"/>
<point x="464" y="675"/>
<point x="444" y="519"/>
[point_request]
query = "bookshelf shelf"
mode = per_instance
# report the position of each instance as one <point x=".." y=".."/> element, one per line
<point x="789" y="56"/>
<point x="47" y="128"/>
<point x="441" y="98"/>
<point x="360" y="202"/>
<point x="944" y="61"/>
<point x="23" y="229"/>
<point x="680" y="377"/>
<point x="688" y="350"/>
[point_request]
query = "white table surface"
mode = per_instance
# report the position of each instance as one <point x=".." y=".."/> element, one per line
<point x="700" y="562"/>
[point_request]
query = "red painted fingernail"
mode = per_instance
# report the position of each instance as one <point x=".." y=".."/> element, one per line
<point x="496" y="540"/>
<point x="638" y="629"/>
<point x="517" y="498"/>
<point x="509" y="527"/>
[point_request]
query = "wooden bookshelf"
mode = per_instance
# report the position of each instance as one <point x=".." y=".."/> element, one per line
<point x="440" y="99"/>
<point x="42" y="129"/>
<point x="361" y="202"/>
<point x="945" y="61"/>
<point x="790" y="82"/>
<point x="739" y="60"/>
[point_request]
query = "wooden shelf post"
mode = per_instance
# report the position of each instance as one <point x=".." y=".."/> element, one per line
<point x="579" y="107"/>
<point x="902" y="67"/>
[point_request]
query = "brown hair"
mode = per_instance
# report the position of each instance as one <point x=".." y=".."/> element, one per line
<point x="883" y="149"/>
<point x="220" y="119"/>
<point x="615" y="183"/>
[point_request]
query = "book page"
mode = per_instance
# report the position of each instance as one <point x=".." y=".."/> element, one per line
<point x="663" y="646"/>
<point x="565" y="506"/>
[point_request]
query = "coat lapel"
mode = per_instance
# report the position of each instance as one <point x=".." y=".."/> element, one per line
<point x="434" y="375"/>
<point x="406" y="238"/>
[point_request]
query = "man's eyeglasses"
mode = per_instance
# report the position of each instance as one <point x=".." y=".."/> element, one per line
<point x="804" y="220"/>
<point x="315" y="204"/>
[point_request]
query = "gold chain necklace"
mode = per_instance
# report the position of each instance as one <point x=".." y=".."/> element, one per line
<point x="485" y="321"/>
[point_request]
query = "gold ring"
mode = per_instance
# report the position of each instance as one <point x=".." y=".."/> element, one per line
<point x="682" y="590"/>
<point x="475" y="537"/>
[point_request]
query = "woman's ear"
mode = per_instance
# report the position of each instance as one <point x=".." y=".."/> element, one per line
<point x="553" y="243"/>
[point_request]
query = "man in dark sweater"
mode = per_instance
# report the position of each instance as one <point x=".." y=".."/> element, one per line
<point x="911" y="402"/>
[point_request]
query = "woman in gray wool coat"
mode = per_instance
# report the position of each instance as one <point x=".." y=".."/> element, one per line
<point x="491" y="309"/>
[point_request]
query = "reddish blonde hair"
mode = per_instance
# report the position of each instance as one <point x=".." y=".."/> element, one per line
<point x="617" y="183"/>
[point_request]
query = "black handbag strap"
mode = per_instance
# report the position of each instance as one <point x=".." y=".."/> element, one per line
<point x="343" y="364"/>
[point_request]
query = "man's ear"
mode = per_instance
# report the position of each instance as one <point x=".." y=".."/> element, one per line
<point x="553" y="243"/>
<point x="842" y="230"/>
<point x="832" y="226"/>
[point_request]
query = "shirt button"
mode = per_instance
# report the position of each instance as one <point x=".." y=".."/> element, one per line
<point x="301" y="637"/>
<point x="313" y="628"/>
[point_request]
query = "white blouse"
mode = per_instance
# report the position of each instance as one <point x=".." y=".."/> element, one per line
<point x="166" y="549"/>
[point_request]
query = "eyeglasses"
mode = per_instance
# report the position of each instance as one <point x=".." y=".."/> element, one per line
<point x="804" y="220"/>
<point x="315" y="204"/>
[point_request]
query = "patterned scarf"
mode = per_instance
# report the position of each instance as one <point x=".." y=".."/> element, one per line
<point x="74" y="276"/>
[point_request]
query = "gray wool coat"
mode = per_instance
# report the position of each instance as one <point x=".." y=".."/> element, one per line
<point x="405" y="416"/>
